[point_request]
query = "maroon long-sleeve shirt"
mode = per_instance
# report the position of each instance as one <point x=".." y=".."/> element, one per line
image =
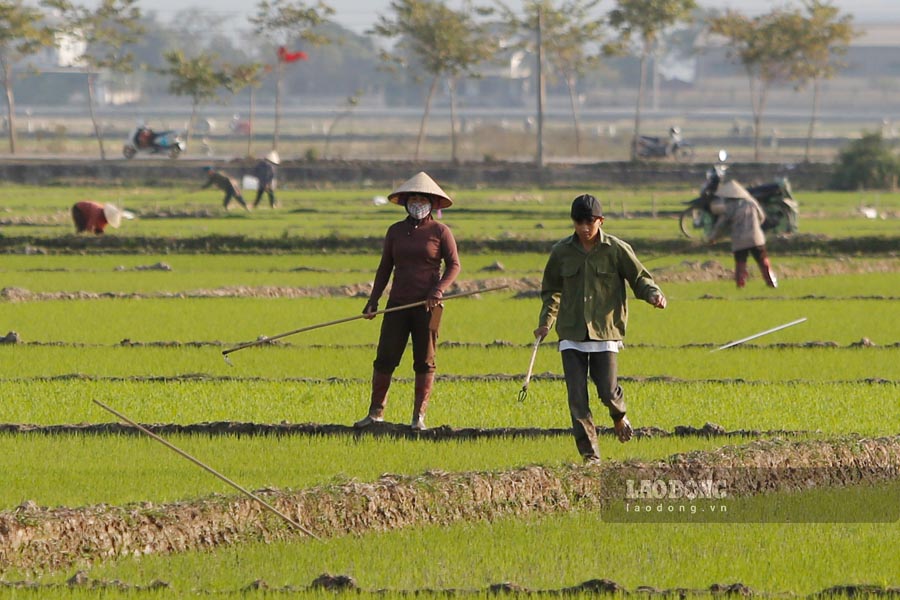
<point x="414" y="253"/>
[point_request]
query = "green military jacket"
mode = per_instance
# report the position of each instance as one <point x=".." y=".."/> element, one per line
<point x="583" y="293"/>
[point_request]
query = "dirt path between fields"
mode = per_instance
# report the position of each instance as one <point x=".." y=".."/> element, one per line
<point x="441" y="433"/>
<point x="525" y="286"/>
<point x="346" y="584"/>
<point x="36" y="538"/>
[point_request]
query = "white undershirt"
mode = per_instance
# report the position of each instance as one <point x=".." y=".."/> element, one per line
<point x="592" y="346"/>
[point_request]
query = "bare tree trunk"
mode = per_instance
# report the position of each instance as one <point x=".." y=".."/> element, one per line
<point x="570" y="83"/>
<point x="250" y="121"/>
<point x="279" y="73"/>
<point x="331" y="127"/>
<point x="758" y="102"/>
<point x="812" y="120"/>
<point x="91" y="80"/>
<point x="640" y="100"/>
<point x="10" y="106"/>
<point x="431" y="90"/>
<point x="451" y="84"/>
<point x="541" y="89"/>
<point x="190" y="127"/>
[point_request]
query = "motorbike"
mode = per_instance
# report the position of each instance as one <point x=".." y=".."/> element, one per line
<point x="776" y="199"/>
<point x="656" y="147"/>
<point x="147" y="141"/>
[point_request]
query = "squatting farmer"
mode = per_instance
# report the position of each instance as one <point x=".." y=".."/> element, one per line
<point x="94" y="217"/>
<point x="225" y="183"/>
<point x="583" y="294"/>
<point x="741" y="217"/>
<point x="413" y="251"/>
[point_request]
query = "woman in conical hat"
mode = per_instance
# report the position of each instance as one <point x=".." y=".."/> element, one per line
<point x="740" y="216"/>
<point x="94" y="217"/>
<point x="414" y="250"/>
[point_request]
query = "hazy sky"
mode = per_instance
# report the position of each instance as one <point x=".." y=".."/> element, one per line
<point x="359" y="15"/>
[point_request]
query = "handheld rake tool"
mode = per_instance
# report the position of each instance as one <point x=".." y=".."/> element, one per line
<point x="184" y="454"/>
<point x="760" y="334"/>
<point x="523" y="393"/>
<point x="266" y="339"/>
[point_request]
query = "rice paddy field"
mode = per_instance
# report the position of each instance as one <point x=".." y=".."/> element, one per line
<point x="493" y="497"/>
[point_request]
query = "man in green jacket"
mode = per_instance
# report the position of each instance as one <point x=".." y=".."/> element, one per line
<point x="583" y="293"/>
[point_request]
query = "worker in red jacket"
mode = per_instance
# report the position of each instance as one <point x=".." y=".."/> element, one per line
<point x="94" y="217"/>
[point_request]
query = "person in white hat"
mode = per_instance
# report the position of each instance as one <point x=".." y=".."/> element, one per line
<point x="265" y="172"/>
<point x="94" y="217"/>
<point x="740" y="216"/>
<point x="413" y="251"/>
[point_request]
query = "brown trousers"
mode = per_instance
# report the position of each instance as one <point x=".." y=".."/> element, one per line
<point x="396" y="330"/>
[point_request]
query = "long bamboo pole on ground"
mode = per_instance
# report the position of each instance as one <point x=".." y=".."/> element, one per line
<point x="266" y="339"/>
<point x="184" y="454"/>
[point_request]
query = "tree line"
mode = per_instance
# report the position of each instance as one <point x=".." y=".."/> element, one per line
<point x="427" y="43"/>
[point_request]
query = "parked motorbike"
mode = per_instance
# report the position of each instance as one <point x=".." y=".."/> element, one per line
<point x="655" y="147"/>
<point x="776" y="199"/>
<point x="145" y="140"/>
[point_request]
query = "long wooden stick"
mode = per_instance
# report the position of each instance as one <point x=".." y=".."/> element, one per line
<point x="264" y="339"/>
<point x="756" y="335"/>
<point x="184" y="454"/>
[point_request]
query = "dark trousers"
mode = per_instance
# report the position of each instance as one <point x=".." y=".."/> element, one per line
<point x="602" y="368"/>
<point x="265" y="190"/>
<point x="396" y="329"/>
<point x="758" y="252"/>
<point x="233" y="193"/>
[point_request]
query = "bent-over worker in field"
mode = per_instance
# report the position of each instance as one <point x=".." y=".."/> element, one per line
<point x="225" y="183"/>
<point x="414" y="249"/>
<point x="94" y="217"/>
<point x="740" y="216"/>
<point x="583" y="293"/>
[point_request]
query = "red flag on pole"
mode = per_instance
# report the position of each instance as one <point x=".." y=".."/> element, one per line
<point x="289" y="57"/>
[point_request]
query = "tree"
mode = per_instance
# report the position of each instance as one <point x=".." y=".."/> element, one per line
<point x="866" y="163"/>
<point x="21" y="35"/>
<point x="824" y="37"/>
<point x="573" y="42"/>
<point x="767" y="47"/>
<point x="108" y="31"/>
<point x="440" y="42"/>
<point x="285" y="22"/>
<point x="197" y="78"/>
<point x="645" y="20"/>
<point x="351" y="103"/>
<point x="237" y="77"/>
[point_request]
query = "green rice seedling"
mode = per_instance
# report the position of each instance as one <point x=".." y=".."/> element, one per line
<point x="830" y="408"/>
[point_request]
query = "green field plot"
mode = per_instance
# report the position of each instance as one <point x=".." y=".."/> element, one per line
<point x="549" y="553"/>
<point x="765" y="405"/>
<point x="138" y="319"/>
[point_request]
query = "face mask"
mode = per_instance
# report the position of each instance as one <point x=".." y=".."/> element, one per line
<point x="418" y="209"/>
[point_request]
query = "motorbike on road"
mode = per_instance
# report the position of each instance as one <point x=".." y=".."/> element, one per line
<point x="776" y="199"/>
<point x="654" y="147"/>
<point x="145" y="140"/>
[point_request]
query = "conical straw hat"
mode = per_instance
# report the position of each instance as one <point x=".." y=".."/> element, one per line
<point x="273" y="157"/>
<point x="733" y="189"/>
<point x="113" y="215"/>
<point x="421" y="183"/>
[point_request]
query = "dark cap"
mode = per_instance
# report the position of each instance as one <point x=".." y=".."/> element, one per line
<point x="586" y="207"/>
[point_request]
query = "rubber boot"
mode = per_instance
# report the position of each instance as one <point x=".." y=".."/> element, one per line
<point x="586" y="439"/>
<point x="424" y="383"/>
<point x="381" y="382"/>
<point x="768" y="274"/>
<point x="740" y="273"/>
